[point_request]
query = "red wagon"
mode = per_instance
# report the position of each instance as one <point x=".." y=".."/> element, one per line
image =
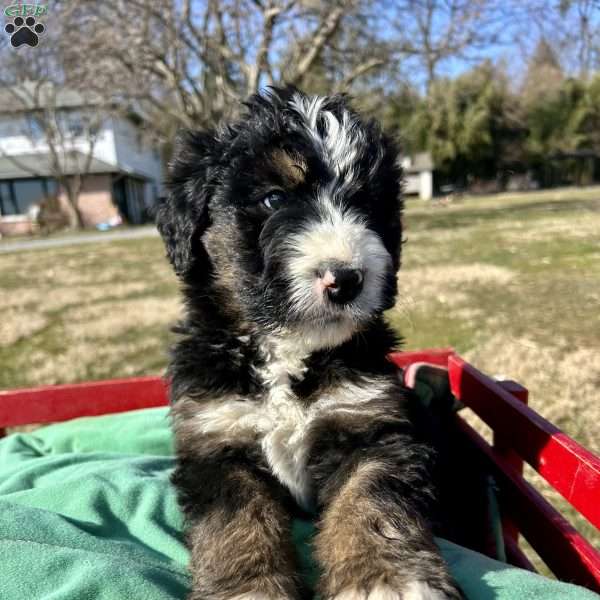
<point x="519" y="434"/>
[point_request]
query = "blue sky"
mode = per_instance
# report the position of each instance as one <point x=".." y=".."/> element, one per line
<point x="518" y="27"/>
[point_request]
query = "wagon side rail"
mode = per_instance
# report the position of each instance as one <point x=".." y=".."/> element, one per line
<point x="56" y="403"/>
<point x="522" y="434"/>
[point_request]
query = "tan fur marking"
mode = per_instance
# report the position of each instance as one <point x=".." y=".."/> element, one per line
<point x="245" y="553"/>
<point x="186" y="414"/>
<point x="347" y="520"/>
<point x="350" y="545"/>
<point x="358" y="548"/>
<point x="220" y="240"/>
<point x="291" y="168"/>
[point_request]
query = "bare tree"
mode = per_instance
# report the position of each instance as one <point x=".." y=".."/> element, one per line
<point x="584" y="36"/>
<point x="59" y="121"/>
<point x="433" y="32"/>
<point x="184" y="63"/>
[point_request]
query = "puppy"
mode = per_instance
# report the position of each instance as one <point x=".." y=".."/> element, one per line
<point x="284" y="228"/>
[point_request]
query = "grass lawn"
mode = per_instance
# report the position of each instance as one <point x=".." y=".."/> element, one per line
<point x="511" y="281"/>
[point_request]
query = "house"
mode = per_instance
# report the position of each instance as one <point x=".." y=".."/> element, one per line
<point x="122" y="176"/>
<point x="418" y="175"/>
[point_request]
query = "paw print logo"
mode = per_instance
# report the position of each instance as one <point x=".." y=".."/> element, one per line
<point x="24" y="31"/>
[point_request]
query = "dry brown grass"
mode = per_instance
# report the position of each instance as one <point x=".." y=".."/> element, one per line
<point x="18" y="323"/>
<point x="85" y="312"/>
<point x="448" y="284"/>
<point x="514" y="284"/>
<point x="563" y="382"/>
<point x="99" y="321"/>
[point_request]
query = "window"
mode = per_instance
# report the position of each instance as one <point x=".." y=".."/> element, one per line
<point x="35" y="128"/>
<point x="17" y="196"/>
<point x="8" y="204"/>
<point x="28" y="192"/>
<point x="130" y="195"/>
<point x="11" y="127"/>
<point x="74" y="125"/>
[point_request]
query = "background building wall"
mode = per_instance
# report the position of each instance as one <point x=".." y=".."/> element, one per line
<point x="134" y="156"/>
<point x="95" y="201"/>
<point x="16" y="137"/>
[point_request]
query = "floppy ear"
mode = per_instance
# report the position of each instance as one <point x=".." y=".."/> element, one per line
<point x="183" y="216"/>
<point x="388" y="188"/>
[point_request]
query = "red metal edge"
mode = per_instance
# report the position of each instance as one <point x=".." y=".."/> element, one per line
<point x="434" y="356"/>
<point x="569" y="468"/>
<point x="503" y="445"/>
<point x="63" y="402"/>
<point x="568" y="554"/>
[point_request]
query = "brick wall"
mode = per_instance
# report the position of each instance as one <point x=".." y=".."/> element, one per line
<point x="95" y="200"/>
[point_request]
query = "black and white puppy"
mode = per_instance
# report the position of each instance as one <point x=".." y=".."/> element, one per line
<point x="285" y="230"/>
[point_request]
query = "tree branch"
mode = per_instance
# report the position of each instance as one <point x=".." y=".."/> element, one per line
<point x="359" y="71"/>
<point x="323" y="34"/>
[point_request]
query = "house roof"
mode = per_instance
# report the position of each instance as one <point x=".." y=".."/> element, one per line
<point x="38" y="165"/>
<point x="32" y="94"/>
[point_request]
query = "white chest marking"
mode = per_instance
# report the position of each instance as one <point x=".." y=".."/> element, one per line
<point x="284" y="442"/>
<point x="281" y="424"/>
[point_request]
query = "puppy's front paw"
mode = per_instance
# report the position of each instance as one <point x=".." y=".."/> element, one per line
<point x="251" y="596"/>
<point x="416" y="590"/>
<point x="419" y="590"/>
<point x="256" y="596"/>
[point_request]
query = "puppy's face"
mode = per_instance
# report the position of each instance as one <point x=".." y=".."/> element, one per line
<point x="292" y="213"/>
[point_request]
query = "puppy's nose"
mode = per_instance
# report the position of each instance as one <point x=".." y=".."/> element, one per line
<point x="346" y="285"/>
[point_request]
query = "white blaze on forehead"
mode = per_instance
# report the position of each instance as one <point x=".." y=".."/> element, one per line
<point x="339" y="141"/>
<point x="337" y="234"/>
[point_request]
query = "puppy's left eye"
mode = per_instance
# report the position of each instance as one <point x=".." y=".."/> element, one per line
<point x="274" y="200"/>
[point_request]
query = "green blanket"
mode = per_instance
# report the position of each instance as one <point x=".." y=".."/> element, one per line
<point x="87" y="512"/>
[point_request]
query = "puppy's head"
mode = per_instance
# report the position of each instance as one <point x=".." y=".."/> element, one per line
<point x="291" y="215"/>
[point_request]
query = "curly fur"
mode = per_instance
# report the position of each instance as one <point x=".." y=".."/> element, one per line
<point x="283" y="398"/>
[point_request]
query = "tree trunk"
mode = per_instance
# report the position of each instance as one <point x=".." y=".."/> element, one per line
<point x="75" y="216"/>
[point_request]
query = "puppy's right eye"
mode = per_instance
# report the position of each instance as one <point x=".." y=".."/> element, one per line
<point x="274" y="200"/>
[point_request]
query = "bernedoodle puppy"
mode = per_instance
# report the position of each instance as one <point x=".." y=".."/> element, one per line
<point x="285" y="230"/>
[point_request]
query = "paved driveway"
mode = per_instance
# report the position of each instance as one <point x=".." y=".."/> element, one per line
<point x="82" y="238"/>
